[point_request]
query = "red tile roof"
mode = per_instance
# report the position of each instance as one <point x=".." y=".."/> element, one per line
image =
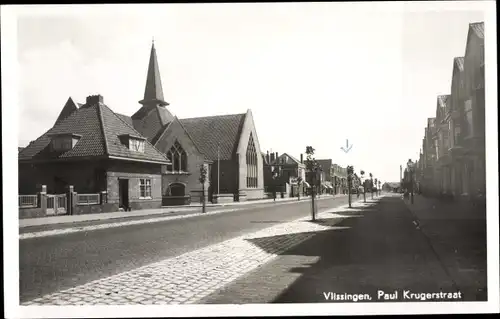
<point x="99" y="128"/>
<point x="210" y="132"/>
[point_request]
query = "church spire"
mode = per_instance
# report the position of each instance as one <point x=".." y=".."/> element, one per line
<point x="153" y="94"/>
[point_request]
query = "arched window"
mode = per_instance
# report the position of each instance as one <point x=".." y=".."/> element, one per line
<point x="252" y="170"/>
<point x="178" y="157"/>
<point x="177" y="189"/>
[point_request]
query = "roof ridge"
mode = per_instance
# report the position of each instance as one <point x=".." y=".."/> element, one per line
<point x="212" y="116"/>
<point x="139" y="134"/>
<point x="101" y="120"/>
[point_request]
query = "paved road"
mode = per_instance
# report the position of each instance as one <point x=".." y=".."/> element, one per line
<point x="379" y="248"/>
<point x="50" y="264"/>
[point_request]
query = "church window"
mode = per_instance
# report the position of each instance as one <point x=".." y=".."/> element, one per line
<point x="178" y="156"/>
<point x="251" y="158"/>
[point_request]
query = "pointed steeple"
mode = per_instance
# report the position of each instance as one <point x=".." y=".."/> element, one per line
<point x="153" y="94"/>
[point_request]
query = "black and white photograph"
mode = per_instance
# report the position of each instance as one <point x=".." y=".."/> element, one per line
<point x="250" y="159"/>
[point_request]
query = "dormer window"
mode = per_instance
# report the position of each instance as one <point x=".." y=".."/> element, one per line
<point x="64" y="142"/>
<point x="136" y="145"/>
<point x="133" y="143"/>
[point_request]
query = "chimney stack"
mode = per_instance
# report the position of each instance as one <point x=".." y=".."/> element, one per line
<point x="276" y="157"/>
<point x="267" y="157"/>
<point x="272" y="157"/>
<point x="94" y="99"/>
<point x="301" y="158"/>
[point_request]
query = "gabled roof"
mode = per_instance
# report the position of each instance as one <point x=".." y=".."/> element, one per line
<point x="459" y="62"/>
<point x="99" y="129"/>
<point x="478" y="28"/>
<point x="443" y="100"/>
<point x="289" y="159"/>
<point x="209" y="133"/>
<point x="67" y="110"/>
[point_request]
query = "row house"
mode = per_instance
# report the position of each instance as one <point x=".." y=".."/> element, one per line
<point x="454" y="142"/>
<point x="339" y="180"/>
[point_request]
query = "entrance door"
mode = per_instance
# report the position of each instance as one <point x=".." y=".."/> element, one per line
<point x="123" y="193"/>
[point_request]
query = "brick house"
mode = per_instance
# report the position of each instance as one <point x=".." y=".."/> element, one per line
<point x="95" y="151"/>
<point x="454" y="142"/>
<point x="228" y="142"/>
<point x="288" y="169"/>
<point x="327" y="167"/>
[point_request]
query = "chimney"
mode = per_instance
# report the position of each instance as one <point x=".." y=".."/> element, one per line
<point x="301" y="158"/>
<point x="267" y="157"/>
<point x="94" y="99"/>
<point x="272" y="157"/>
<point x="276" y="155"/>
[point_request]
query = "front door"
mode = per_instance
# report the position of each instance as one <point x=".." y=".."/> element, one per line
<point x="123" y="193"/>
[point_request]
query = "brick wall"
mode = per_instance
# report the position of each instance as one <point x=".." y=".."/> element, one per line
<point x="194" y="160"/>
<point x="134" y="171"/>
<point x="86" y="176"/>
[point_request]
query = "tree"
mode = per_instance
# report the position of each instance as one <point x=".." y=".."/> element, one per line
<point x="299" y="183"/>
<point x="203" y="179"/>
<point x="371" y="184"/>
<point x="364" y="185"/>
<point x="376" y="190"/>
<point x="312" y="167"/>
<point x="379" y="186"/>
<point x="350" y="171"/>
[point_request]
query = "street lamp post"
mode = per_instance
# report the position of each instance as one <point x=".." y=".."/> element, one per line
<point x="203" y="178"/>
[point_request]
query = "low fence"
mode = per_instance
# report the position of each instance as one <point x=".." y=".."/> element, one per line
<point x="88" y="199"/>
<point x="69" y="203"/>
<point x="28" y="201"/>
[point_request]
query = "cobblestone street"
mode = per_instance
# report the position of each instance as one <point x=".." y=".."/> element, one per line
<point x="55" y="263"/>
<point x="193" y="275"/>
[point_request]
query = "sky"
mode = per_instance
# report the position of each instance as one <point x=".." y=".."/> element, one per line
<point x="312" y="73"/>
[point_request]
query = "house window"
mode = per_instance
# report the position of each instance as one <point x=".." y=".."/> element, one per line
<point x="178" y="157"/>
<point x="468" y="117"/>
<point x="60" y="144"/>
<point x="136" y="145"/>
<point x="251" y="158"/>
<point x="145" y="188"/>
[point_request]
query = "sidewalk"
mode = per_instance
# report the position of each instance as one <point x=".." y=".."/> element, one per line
<point x="166" y="210"/>
<point x="457" y="232"/>
<point x="363" y="250"/>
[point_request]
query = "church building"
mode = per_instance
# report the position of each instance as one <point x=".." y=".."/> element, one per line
<point x="227" y="144"/>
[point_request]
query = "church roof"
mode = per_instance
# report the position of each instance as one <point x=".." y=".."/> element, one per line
<point x="99" y="129"/>
<point x="154" y="90"/>
<point x="212" y="131"/>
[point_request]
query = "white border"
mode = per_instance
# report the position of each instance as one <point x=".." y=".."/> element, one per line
<point x="9" y="147"/>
